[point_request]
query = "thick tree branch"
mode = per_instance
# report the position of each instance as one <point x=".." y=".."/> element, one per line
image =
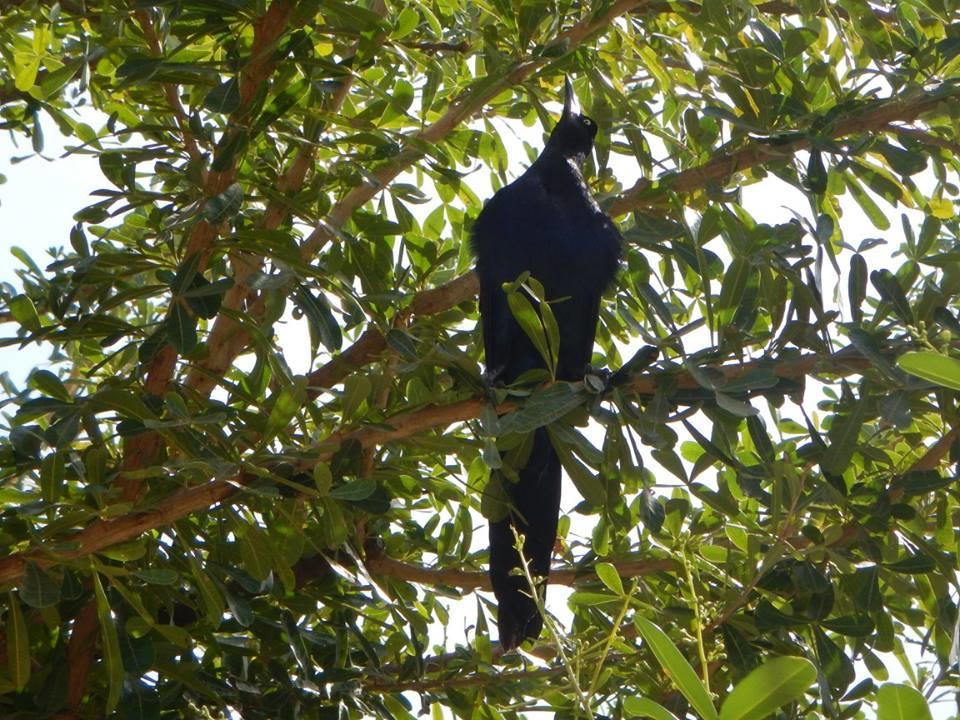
<point x="874" y="118"/>
<point x="106" y="533"/>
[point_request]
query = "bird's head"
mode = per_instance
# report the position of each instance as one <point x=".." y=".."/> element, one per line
<point x="573" y="135"/>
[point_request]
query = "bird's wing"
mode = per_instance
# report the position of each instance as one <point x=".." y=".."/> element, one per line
<point x="505" y="238"/>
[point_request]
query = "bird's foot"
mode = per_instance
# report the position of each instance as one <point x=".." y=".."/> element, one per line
<point x="597" y="380"/>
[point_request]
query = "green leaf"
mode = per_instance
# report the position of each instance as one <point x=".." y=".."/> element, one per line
<point x="857" y="286"/>
<point x="901" y="702"/>
<point x="533" y="326"/>
<point x="609" y="576"/>
<point x="738" y="276"/>
<point x="867" y="203"/>
<point x="844" y="434"/>
<point x="182" y="328"/>
<point x="356" y="389"/>
<point x="889" y="289"/>
<point x="355" y="490"/>
<point x="850" y="625"/>
<point x="255" y="553"/>
<point x="677" y="668"/>
<point x="932" y="366"/>
<point x="25" y="313"/>
<point x="322" y="478"/>
<point x="110" y="642"/>
<point x="542" y="408"/>
<point x="223" y="206"/>
<point x="38" y="589"/>
<point x="285" y="405"/>
<point x="18" y="645"/>
<point x="123" y="402"/>
<point x="51" y="477"/>
<point x="913" y="565"/>
<point x="158" y="576"/>
<point x="46" y="382"/>
<point x="774" y="684"/>
<point x="645" y="707"/>
<point x="323" y="325"/>
<point x="224" y="98"/>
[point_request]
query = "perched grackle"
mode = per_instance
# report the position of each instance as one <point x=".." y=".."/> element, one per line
<point x="545" y="222"/>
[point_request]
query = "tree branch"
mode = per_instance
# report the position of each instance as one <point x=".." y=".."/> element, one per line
<point x="645" y="193"/>
<point x="106" y="533"/>
<point x="465" y="580"/>
<point x="227" y="337"/>
<point x="876" y="118"/>
<point x="141" y="450"/>
<point x="459" y="112"/>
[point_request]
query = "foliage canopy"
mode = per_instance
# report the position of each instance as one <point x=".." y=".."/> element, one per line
<point x="193" y="525"/>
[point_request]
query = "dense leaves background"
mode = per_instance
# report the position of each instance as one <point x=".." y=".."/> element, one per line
<point x="194" y="526"/>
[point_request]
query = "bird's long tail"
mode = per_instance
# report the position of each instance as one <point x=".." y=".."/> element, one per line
<point x="535" y="501"/>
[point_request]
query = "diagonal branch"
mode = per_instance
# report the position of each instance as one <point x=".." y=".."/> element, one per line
<point x="141" y="450"/>
<point x="459" y="112"/>
<point x="645" y="193"/>
<point x="227" y="337"/>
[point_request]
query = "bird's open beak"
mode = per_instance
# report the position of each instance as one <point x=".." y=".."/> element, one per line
<point x="570" y="104"/>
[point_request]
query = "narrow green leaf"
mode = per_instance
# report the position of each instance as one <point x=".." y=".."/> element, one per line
<point x="844" y="433"/>
<point x="677" y="668"/>
<point x="529" y="320"/>
<point x="323" y="325"/>
<point x="255" y="553"/>
<point x="51" y="477"/>
<point x="777" y="682"/>
<point x="913" y="565"/>
<point x="867" y="203"/>
<point x="857" y="286"/>
<point x="212" y="599"/>
<point x="124" y="402"/>
<point x="224" y="205"/>
<point x="932" y="366"/>
<point x="734" y="284"/>
<point x="18" y="645"/>
<point x="322" y="478"/>
<point x="356" y="390"/>
<point x="542" y="408"/>
<point x="182" y="328"/>
<point x="158" y="576"/>
<point x="112" y="659"/>
<point x="901" y="702"/>
<point x="609" y="576"/>
<point x="889" y="289"/>
<point x="645" y="707"/>
<point x="286" y="403"/>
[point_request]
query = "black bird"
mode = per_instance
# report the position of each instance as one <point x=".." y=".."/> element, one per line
<point x="545" y="222"/>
